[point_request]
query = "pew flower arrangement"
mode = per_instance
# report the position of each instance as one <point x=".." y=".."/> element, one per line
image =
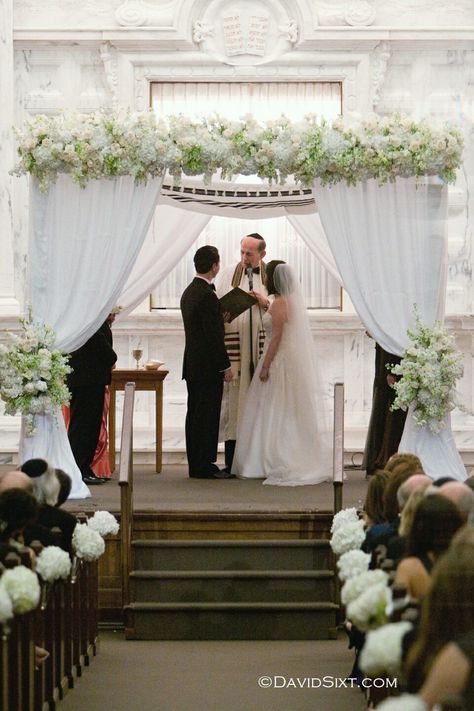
<point x="107" y="144"/>
<point x="104" y="523"/>
<point x="53" y="564"/>
<point x="405" y="702"/>
<point x="347" y="537"/>
<point x="344" y="516"/>
<point x="87" y="544"/>
<point x="429" y="369"/>
<point x="22" y="586"/>
<point x="352" y="564"/>
<point x="355" y="586"/>
<point x="6" y="607"/>
<point x="369" y="609"/>
<point x="382" y="650"/>
<point x="32" y="373"/>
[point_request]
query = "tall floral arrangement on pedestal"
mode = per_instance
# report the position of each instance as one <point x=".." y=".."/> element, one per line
<point x="32" y="373"/>
<point x="430" y="367"/>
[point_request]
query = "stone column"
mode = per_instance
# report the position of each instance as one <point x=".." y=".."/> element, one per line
<point x="8" y="303"/>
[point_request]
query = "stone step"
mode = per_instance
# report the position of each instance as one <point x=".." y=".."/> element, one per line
<point x="230" y="621"/>
<point x="233" y="586"/>
<point x="232" y="555"/>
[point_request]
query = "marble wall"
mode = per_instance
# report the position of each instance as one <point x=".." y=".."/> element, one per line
<point x="390" y="55"/>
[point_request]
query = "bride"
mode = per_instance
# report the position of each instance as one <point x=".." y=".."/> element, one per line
<point x="281" y="435"/>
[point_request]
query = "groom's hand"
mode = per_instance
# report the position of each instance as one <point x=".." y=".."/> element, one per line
<point x="228" y="375"/>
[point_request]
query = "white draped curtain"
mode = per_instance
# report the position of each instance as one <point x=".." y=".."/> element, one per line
<point x="83" y="245"/>
<point x="389" y="245"/>
<point x="171" y="234"/>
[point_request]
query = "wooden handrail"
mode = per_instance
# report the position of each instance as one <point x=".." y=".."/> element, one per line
<point x="338" y="445"/>
<point x="126" y="490"/>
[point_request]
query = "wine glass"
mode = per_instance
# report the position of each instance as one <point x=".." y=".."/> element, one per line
<point x="137" y="354"/>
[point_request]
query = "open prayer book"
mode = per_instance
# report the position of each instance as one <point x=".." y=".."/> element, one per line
<point x="236" y="301"/>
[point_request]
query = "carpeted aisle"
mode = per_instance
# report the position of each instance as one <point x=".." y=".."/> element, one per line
<point x="214" y="676"/>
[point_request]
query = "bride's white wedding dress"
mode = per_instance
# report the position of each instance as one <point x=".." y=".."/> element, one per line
<point x="279" y="436"/>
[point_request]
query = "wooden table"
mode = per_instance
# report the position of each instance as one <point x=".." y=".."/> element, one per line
<point x="151" y="380"/>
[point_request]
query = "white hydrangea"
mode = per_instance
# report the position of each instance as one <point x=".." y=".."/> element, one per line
<point x="53" y="564"/>
<point x="353" y="563"/>
<point x="357" y="585"/>
<point x="344" y="516"/>
<point x="6" y="607"/>
<point x="369" y="609"/>
<point x="348" y="537"/>
<point x="104" y="523"/>
<point x="405" y="702"/>
<point x="23" y="587"/>
<point x="382" y="651"/>
<point x="87" y="544"/>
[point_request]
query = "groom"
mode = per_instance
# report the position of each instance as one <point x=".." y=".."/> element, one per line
<point x="205" y="367"/>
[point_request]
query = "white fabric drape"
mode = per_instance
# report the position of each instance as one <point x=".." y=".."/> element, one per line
<point x="83" y="245"/>
<point x="389" y="245"/>
<point x="309" y="227"/>
<point x="171" y="234"/>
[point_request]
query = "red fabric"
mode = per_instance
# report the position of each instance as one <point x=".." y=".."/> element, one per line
<point x="100" y="464"/>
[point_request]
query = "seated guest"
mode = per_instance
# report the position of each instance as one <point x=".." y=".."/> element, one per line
<point x="373" y="506"/>
<point x="411" y="460"/>
<point x="442" y="480"/>
<point x="65" y="486"/>
<point x="435" y="522"/>
<point x="441" y="661"/>
<point x="462" y="496"/>
<point x="18" y="510"/>
<point x="381" y="533"/>
<point x="46" y="488"/>
<point x="470" y="482"/>
<point x="415" y="489"/>
<point x="34" y="531"/>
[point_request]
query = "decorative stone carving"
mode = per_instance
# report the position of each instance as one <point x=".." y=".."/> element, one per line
<point x="289" y="31"/>
<point x="131" y="14"/>
<point x="245" y="32"/>
<point x="201" y="30"/>
<point x="108" y="55"/>
<point x="379" y="62"/>
<point x="359" y="13"/>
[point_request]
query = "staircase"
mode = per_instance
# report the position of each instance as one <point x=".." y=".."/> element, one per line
<point x="232" y="589"/>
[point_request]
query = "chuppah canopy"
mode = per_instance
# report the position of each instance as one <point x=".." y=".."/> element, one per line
<point x="349" y="164"/>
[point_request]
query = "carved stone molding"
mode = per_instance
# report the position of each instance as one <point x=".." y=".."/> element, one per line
<point x="357" y="13"/>
<point x="131" y="14"/>
<point x="378" y="62"/>
<point x="108" y="55"/>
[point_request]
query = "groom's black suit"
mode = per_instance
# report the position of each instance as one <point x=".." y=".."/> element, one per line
<point x="205" y="360"/>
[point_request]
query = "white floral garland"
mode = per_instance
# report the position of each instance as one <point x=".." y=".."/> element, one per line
<point x="32" y="374"/>
<point x="106" y="144"/>
<point x="429" y="370"/>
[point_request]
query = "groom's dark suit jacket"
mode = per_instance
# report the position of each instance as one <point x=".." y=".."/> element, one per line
<point x="205" y="355"/>
<point x="205" y="359"/>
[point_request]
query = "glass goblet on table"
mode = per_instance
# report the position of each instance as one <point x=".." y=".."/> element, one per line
<point x="137" y="354"/>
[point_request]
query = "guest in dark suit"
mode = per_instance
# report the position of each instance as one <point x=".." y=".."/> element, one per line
<point x="205" y="366"/>
<point x="92" y="367"/>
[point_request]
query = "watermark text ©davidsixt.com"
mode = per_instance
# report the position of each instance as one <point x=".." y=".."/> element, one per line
<point x="278" y="681"/>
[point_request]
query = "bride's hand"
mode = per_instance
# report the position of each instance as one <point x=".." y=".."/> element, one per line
<point x="264" y="373"/>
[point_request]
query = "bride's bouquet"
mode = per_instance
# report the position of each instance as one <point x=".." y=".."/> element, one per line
<point x="429" y="370"/>
<point x="32" y="374"/>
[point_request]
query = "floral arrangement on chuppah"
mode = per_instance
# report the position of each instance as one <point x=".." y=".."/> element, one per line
<point x="430" y="367"/>
<point x="107" y="144"/>
<point x="32" y="373"/>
